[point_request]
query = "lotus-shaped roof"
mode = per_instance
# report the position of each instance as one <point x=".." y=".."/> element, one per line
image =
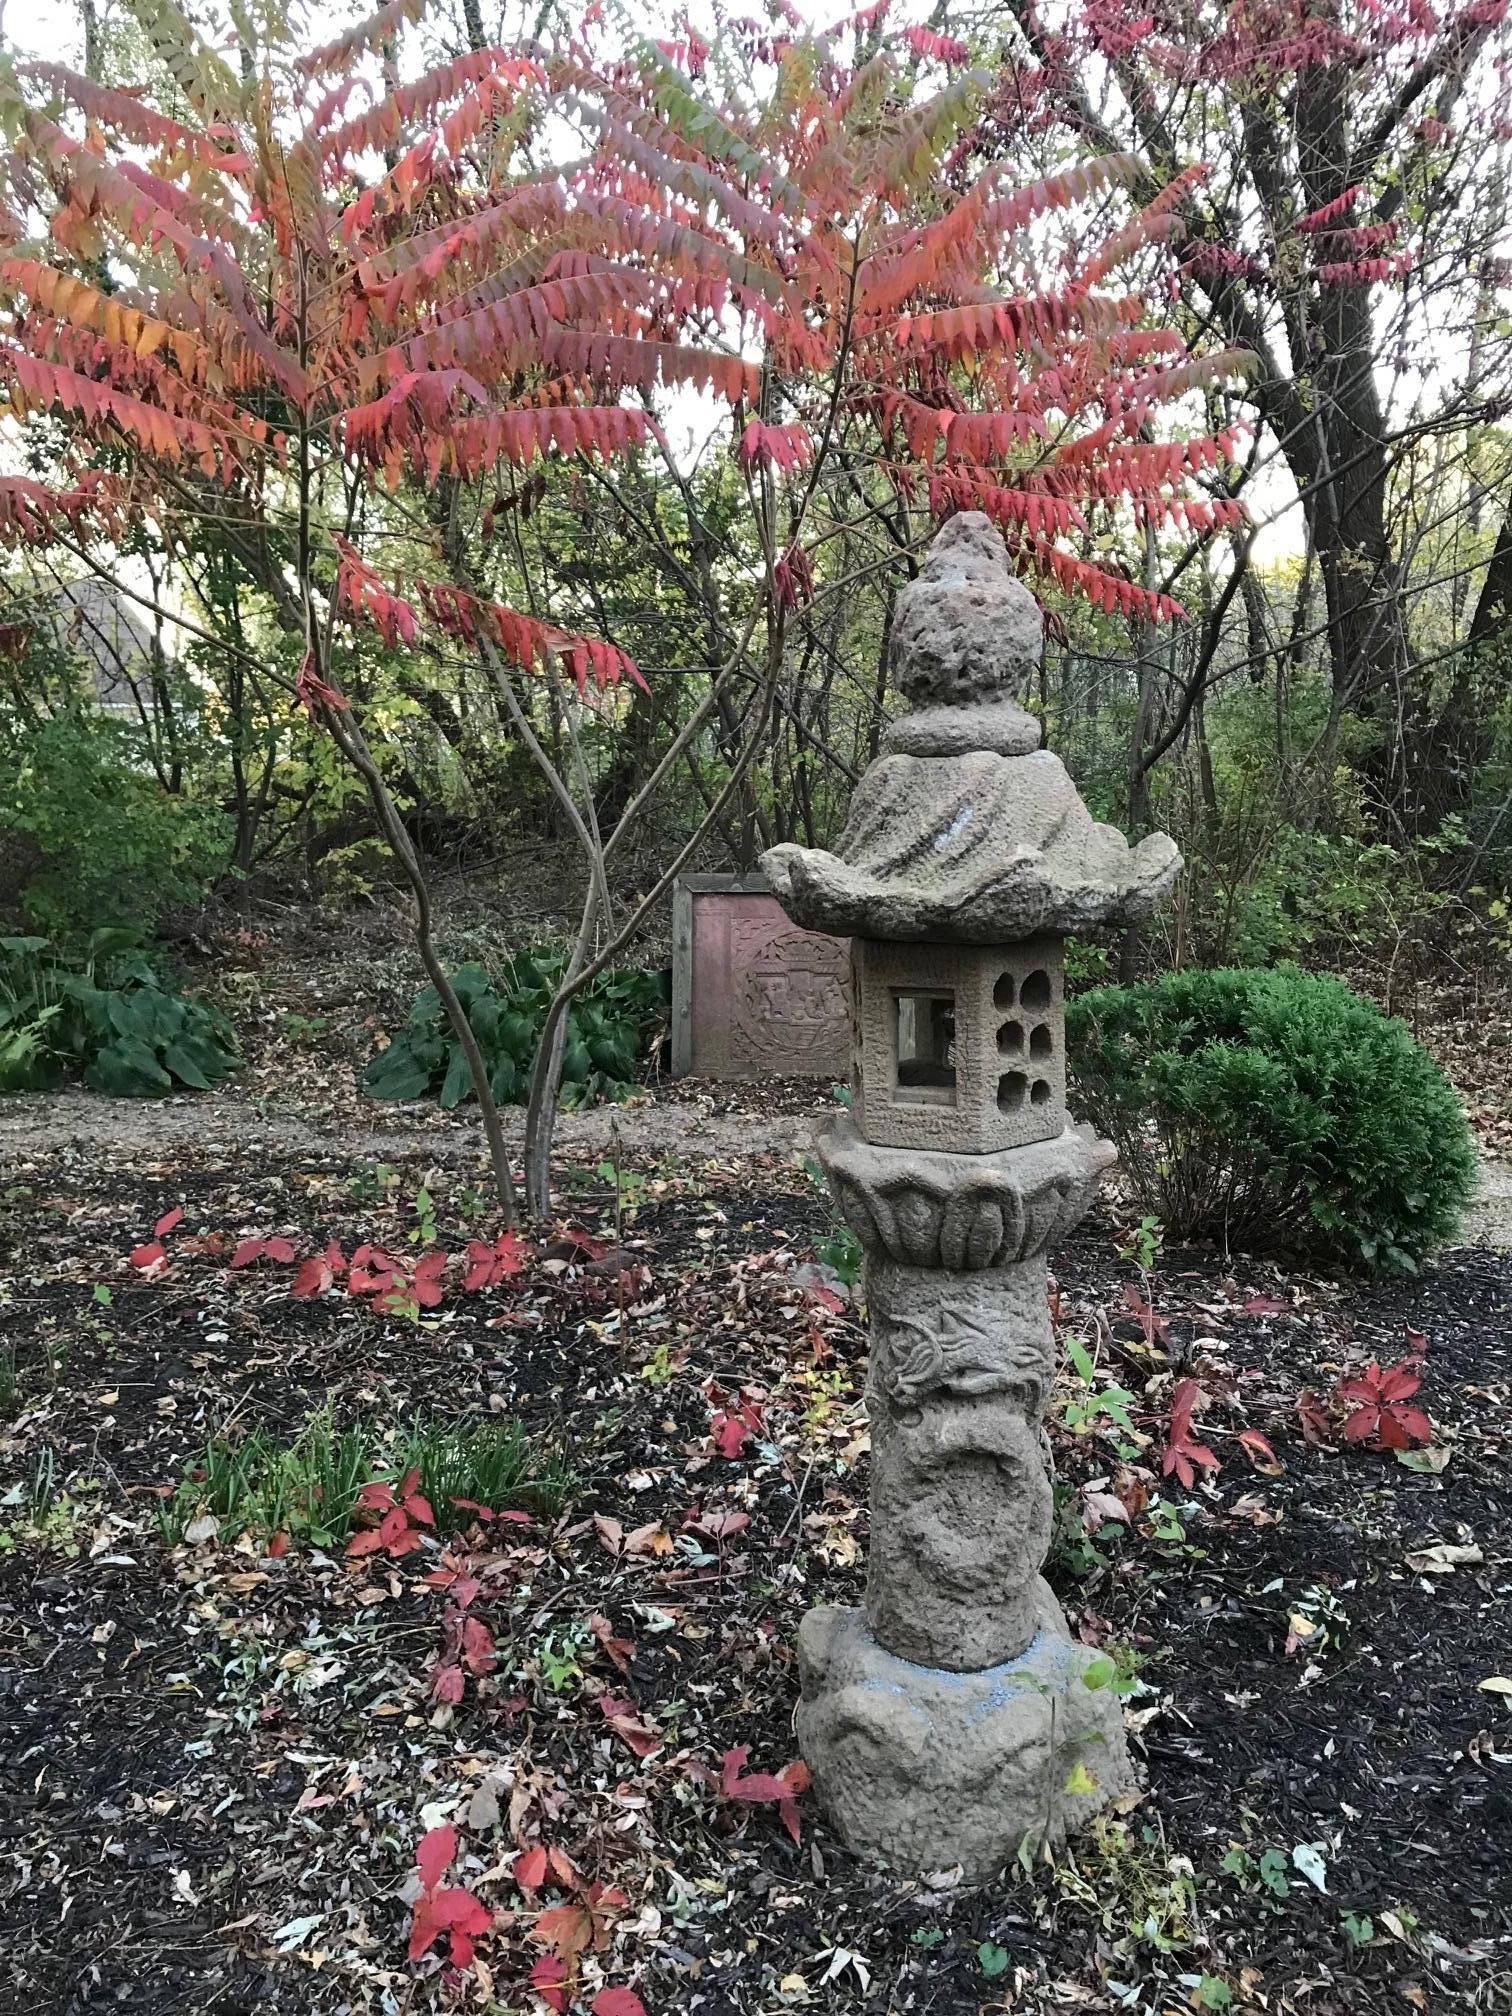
<point x="964" y="828"/>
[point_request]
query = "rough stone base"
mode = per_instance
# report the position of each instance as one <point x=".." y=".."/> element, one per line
<point x="927" y="1769"/>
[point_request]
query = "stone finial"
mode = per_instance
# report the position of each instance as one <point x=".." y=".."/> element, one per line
<point x="964" y="830"/>
<point x="965" y="629"/>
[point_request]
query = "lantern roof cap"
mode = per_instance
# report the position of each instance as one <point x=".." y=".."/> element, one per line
<point x="964" y="828"/>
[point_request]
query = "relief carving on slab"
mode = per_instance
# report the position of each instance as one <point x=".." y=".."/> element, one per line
<point x="790" y="992"/>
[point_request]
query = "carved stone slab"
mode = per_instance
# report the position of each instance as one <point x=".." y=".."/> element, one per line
<point x="753" y="995"/>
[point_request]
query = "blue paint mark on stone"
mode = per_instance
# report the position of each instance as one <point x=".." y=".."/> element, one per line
<point x="956" y="828"/>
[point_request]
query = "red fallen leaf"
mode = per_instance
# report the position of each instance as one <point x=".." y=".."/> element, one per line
<point x="1259" y="1451"/>
<point x="623" y="1718"/>
<point x="435" y="1854"/>
<point x="478" y="1648"/>
<point x="763" y="1788"/>
<point x="480" y="1266"/>
<point x="427" y="1284"/>
<point x="530" y="1868"/>
<point x="1263" y="1305"/>
<point x="151" y="1259"/>
<point x="827" y="1299"/>
<point x="278" y="1546"/>
<point x="447" y="1682"/>
<point x="455" y="1911"/>
<point x="510" y="1255"/>
<point x="456" y="1579"/>
<point x="584" y="1242"/>
<point x="720" y="1525"/>
<point x="547" y="1976"/>
<point x="1416" y="1339"/>
<point x="1154" y="1326"/>
<point x="619" y="1650"/>
<point x="566" y="1928"/>
<point x="166" y="1223"/>
<point x="250" y="1250"/>
<point x="467" y="1920"/>
<point x="1313" y="1419"/>
<point x="313" y="1278"/>
<point x="730" y="1434"/>
<point x="617" y="2002"/>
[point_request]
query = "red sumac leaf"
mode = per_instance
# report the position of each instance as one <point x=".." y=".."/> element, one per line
<point x="435" y="1854"/>
<point x="617" y="2002"/>
<point x="448" y="1683"/>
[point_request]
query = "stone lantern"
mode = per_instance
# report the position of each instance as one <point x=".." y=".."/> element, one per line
<point x="944" y="1724"/>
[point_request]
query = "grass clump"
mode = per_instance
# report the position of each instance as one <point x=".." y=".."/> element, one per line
<point x="307" y="1489"/>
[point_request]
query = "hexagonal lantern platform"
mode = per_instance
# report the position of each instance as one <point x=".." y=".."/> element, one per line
<point x="950" y="1720"/>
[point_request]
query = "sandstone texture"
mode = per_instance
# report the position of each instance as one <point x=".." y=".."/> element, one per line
<point x="961" y="1211"/>
<point x="934" y="1770"/>
<point x="965" y="629"/>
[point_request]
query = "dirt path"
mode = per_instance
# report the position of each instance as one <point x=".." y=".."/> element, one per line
<point x="710" y="1126"/>
<point x="723" y="1124"/>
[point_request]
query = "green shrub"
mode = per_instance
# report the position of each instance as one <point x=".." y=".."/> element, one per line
<point x="608" y="1026"/>
<point x="1274" y="1109"/>
<point x="107" y="1016"/>
<point x="91" y="836"/>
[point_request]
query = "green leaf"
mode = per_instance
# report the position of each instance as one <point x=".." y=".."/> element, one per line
<point x="458" y="1082"/>
<point x="397" y="1073"/>
<point x="992" y="1959"/>
<point x="183" y="1063"/>
<point x="128" y="1070"/>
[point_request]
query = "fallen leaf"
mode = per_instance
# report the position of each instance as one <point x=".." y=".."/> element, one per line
<point x="1443" y="1558"/>
<point x="617" y="2002"/>
<point x="435" y="1853"/>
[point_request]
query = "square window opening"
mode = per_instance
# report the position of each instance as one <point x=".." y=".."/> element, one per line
<point x="924" y="1072"/>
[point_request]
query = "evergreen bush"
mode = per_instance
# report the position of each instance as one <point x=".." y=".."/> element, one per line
<point x="1275" y="1109"/>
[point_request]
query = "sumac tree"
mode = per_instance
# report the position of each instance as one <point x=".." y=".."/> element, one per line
<point x="334" y="323"/>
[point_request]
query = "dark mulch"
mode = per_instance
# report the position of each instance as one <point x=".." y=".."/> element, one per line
<point x="210" y="1755"/>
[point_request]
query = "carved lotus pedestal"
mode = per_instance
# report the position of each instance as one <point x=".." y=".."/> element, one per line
<point x="944" y="1724"/>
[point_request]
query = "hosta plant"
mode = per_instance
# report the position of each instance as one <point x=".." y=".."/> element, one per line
<point x="610" y="1026"/>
